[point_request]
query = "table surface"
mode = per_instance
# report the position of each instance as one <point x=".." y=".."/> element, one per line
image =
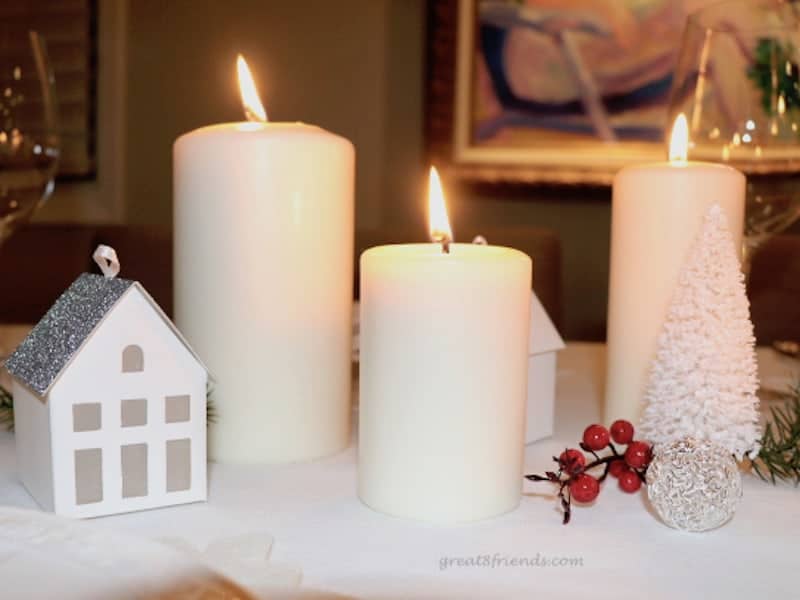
<point x="614" y="549"/>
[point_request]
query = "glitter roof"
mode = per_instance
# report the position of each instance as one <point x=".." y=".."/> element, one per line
<point x="50" y="346"/>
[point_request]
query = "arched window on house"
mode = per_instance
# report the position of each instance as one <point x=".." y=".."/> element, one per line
<point x="132" y="359"/>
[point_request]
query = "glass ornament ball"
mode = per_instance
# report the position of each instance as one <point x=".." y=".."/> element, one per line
<point x="694" y="485"/>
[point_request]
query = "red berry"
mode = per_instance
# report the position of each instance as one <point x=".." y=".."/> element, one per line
<point x="638" y="455"/>
<point x="629" y="482"/>
<point x="622" y="431"/>
<point x="584" y="488"/>
<point x="617" y="467"/>
<point x="596" y="437"/>
<point x="572" y="460"/>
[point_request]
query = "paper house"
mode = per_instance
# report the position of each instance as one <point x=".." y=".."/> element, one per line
<point x="109" y="403"/>
<point x="544" y="346"/>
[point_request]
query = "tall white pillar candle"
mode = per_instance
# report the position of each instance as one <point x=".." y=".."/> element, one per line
<point x="263" y="283"/>
<point x="443" y="378"/>
<point x="657" y="211"/>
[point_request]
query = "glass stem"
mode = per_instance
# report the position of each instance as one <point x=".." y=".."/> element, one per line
<point x="749" y="247"/>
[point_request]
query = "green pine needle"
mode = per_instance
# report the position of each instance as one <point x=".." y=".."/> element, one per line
<point x="211" y="406"/>
<point x="779" y="457"/>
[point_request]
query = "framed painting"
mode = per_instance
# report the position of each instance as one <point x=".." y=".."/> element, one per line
<point x="549" y="91"/>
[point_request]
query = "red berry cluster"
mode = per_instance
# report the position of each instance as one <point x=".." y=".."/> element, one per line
<point x="628" y="467"/>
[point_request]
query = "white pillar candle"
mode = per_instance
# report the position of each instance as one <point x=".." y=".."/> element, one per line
<point x="263" y="283"/>
<point x="657" y="210"/>
<point x="443" y="379"/>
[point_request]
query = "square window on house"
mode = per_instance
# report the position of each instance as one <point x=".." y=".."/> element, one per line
<point x="86" y="416"/>
<point x="88" y="475"/>
<point x="134" y="412"/>
<point x="179" y="465"/>
<point x="134" y="470"/>
<point x="176" y="409"/>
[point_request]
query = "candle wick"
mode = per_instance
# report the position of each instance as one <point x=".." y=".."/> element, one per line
<point x="251" y="115"/>
<point x="438" y="237"/>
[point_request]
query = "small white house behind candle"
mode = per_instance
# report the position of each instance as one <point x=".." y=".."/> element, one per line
<point x="545" y="342"/>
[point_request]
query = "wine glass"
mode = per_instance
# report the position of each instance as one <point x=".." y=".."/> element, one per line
<point x="29" y="139"/>
<point x="738" y="83"/>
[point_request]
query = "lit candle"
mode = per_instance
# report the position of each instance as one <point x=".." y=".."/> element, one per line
<point x="657" y="211"/>
<point x="263" y="280"/>
<point x="444" y="345"/>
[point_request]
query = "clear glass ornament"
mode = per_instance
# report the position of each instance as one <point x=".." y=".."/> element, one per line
<point x="694" y="485"/>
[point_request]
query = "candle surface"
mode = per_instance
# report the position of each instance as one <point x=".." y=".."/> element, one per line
<point x="263" y="283"/>
<point x="443" y="379"/>
<point x="657" y="211"/>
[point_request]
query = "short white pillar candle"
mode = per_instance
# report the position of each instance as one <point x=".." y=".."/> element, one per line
<point x="443" y="380"/>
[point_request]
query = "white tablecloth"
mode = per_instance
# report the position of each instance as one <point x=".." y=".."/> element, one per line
<point x="614" y="549"/>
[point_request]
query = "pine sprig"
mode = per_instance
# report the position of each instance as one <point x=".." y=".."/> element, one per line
<point x="211" y="406"/>
<point x="779" y="457"/>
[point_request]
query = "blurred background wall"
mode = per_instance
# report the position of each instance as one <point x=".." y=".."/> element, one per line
<point x="355" y="67"/>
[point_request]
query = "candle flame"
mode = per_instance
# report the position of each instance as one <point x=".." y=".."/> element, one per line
<point x="679" y="141"/>
<point x="253" y="109"/>
<point x="438" y="222"/>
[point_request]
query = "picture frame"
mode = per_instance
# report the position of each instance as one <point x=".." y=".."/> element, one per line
<point x="557" y="146"/>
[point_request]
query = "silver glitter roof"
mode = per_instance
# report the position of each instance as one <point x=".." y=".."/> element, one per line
<point x="50" y="346"/>
<point x="42" y="356"/>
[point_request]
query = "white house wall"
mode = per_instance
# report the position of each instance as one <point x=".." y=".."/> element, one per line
<point x="96" y="376"/>
<point x="32" y="427"/>
<point x="541" y="396"/>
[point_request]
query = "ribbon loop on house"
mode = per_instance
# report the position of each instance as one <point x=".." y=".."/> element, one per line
<point x="106" y="259"/>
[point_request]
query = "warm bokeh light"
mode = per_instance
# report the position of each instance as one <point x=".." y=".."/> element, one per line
<point x="253" y="108"/>
<point x="679" y="141"/>
<point x="438" y="222"/>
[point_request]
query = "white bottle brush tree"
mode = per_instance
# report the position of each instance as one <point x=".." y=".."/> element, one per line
<point x="704" y="380"/>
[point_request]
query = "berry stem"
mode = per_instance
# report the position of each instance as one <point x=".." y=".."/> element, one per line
<point x="602" y="477"/>
<point x="606" y="460"/>
<point x="586" y="448"/>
